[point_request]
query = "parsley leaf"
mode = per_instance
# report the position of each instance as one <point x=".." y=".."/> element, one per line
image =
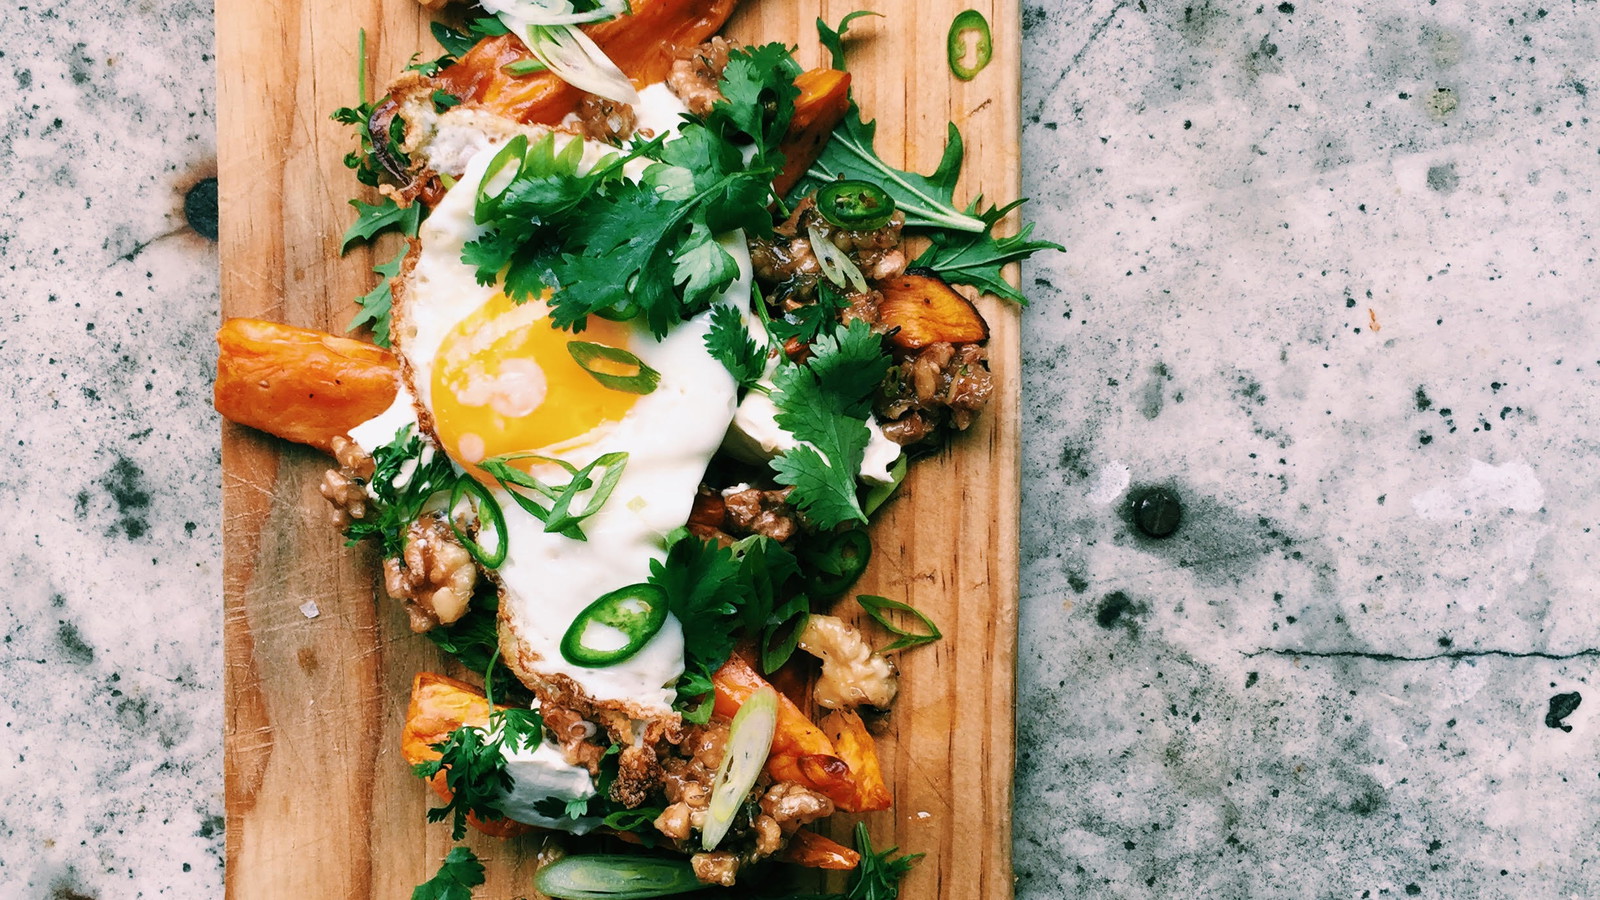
<point x="832" y="39"/>
<point x="977" y="258"/>
<point x="460" y="873"/>
<point x="474" y="765"/>
<point x="378" y="303"/>
<point x="731" y="344"/>
<point x="396" y="506"/>
<point x="372" y="220"/>
<point x="825" y="404"/>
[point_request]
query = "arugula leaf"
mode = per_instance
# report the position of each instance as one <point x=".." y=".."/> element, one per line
<point x="832" y="39"/>
<point x="378" y="303"/>
<point x="460" y="873"/>
<point x="977" y="258"/>
<point x="825" y="404"/>
<point x="928" y="201"/>
<point x="373" y="220"/>
<point x="731" y="344"/>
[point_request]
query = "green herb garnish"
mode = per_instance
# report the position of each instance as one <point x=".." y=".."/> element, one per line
<point x="460" y="873"/>
<point x="559" y="516"/>
<point x="601" y="361"/>
<point x="969" y="22"/>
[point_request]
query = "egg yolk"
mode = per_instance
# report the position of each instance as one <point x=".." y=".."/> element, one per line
<point x="505" y="382"/>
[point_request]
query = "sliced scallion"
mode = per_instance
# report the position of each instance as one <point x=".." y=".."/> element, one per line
<point x="523" y="67"/>
<point x="749" y="743"/>
<point x="487" y="509"/>
<point x="877" y="607"/>
<point x="614" y="367"/>
<point x="616" y="877"/>
<point x="970" y="21"/>
<point x="836" y="265"/>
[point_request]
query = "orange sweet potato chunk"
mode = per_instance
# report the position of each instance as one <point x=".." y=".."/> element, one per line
<point x="823" y="101"/>
<point x="807" y="848"/>
<point x="643" y="44"/>
<point x="925" y="310"/>
<point x="302" y="385"/>
<point x="440" y="705"/>
<point x="856" y="747"/>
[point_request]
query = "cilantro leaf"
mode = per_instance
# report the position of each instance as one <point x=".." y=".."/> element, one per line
<point x="378" y="303"/>
<point x="731" y="344"/>
<point x="977" y="258"/>
<point x="373" y="220"/>
<point x="832" y="39"/>
<point x="758" y="94"/>
<point x="460" y="873"/>
<point x="804" y="324"/>
<point x="825" y="404"/>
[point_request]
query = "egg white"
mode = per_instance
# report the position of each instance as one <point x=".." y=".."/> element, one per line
<point x="669" y="435"/>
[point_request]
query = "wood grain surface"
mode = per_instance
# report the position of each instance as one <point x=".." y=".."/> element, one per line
<point x="319" y="802"/>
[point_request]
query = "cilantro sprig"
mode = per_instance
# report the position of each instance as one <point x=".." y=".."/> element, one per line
<point x="407" y="473"/>
<point x="825" y="404"/>
<point x="731" y="344"/>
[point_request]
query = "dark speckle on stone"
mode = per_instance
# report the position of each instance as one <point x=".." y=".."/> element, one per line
<point x="73" y="647"/>
<point x="1251" y="679"/>
<point x="125" y="484"/>
<point x="200" y="208"/>
<point x="1561" y="706"/>
<point x="1443" y="178"/>
<point x="1286" y="8"/>
<point x="1112" y="608"/>
<point x="1424" y="403"/>
<point x="210" y="826"/>
<point x="1413" y="889"/>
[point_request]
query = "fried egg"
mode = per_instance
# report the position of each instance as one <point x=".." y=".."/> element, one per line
<point x="491" y="376"/>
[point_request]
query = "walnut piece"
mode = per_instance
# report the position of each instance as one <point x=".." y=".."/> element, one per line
<point x="346" y="487"/>
<point x="851" y="673"/>
<point x="434" y="576"/>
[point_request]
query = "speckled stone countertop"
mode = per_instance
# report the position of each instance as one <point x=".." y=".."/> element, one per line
<point x="1329" y="290"/>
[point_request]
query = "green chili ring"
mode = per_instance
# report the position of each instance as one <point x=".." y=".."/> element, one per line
<point x="837" y="561"/>
<point x="970" y="20"/>
<point x="855" y="205"/>
<point x="466" y="484"/>
<point x="621" y="610"/>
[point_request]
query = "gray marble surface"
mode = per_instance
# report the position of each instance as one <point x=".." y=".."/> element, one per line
<point x="1329" y="283"/>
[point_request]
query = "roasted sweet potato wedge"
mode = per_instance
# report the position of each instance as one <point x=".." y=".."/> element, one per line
<point x="302" y="385"/>
<point x="823" y="101"/>
<point x="855" y="745"/>
<point x="801" y="751"/>
<point x="921" y="309"/>
<point x="643" y="44"/>
<point x="807" y="848"/>
<point x="440" y="705"/>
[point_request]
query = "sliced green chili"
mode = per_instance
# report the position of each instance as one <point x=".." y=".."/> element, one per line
<point x="485" y="205"/>
<point x="973" y="21"/>
<point x="855" y="205"/>
<point x="591" y="357"/>
<point x="835" y="561"/>
<point x="486" y="507"/>
<point x="638" y="611"/>
<point x="876" y="606"/>
<point x="524" y="67"/>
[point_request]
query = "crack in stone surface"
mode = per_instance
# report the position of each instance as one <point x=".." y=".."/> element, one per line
<point x="1395" y="657"/>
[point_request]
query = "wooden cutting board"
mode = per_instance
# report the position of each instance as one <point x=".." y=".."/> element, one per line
<point x="319" y="802"/>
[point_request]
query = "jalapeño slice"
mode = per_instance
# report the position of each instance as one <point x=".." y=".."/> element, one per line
<point x="637" y="611"/>
<point x="855" y="205"/>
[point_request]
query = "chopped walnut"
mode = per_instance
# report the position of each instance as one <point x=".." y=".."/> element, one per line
<point x="674" y="821"/>
<point x="605" y="120"/>
<point x="694" y="78"/>
<point x="791" y="805"/>
<point x="715" y="868"/>
<point x="851" y="673"/>
<point x="346" y="486"/>
<point x="754" y="511"/>
<point x="434" y="576"/>
<point x="769" y="835"/>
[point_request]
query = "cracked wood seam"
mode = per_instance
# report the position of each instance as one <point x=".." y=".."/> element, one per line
<point x="319" y="802"/>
